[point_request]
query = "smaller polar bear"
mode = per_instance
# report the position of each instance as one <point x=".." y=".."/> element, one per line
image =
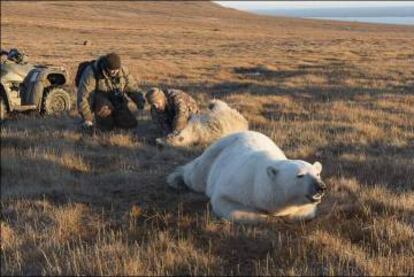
<point x="248" y="178"/>
<point x="220" y="120"/>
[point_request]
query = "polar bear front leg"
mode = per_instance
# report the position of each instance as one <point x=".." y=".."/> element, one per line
<point x="233" y="211"/>
<point x="305" y="213"/>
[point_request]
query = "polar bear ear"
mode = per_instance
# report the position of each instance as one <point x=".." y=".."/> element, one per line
<point x="317" y="166"/>
<point x="301" y="172"/>
<point x="272" y="172"/>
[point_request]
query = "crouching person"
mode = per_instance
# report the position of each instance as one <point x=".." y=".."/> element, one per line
<point x="171" y="109"/>
<point x="107" y="93"/>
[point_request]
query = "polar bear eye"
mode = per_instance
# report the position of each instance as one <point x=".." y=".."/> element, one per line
<point x="300" y="175"/>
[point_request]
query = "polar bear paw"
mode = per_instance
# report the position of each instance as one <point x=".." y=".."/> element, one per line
<point x="175" y="180"/>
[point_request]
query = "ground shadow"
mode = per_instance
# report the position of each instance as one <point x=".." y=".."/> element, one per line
<point x="307" y="93"/>
<point x="118" y="176"/>
<point x="262" y="81"/>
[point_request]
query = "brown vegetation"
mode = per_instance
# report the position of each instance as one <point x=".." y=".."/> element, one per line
<point x="340" y="93"/>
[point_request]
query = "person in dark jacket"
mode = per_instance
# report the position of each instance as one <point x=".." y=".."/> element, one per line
<point x="108" y="93"/>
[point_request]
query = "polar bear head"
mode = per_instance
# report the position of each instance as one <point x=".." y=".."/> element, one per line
<point x="293" y="183"/>
<point x="191" y="134"/>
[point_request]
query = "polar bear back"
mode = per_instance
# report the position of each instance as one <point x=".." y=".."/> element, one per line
<point x="225" y="156"/>
<point x="241" y="144"/>
<point x="243" y="153"/>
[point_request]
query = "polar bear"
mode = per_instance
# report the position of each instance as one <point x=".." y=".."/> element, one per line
<point x="248" y="178"/>
<point x="219" y="120"/>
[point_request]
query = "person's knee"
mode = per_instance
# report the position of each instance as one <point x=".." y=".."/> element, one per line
<point x="105" y="123"/>
<point x="127" y="123"/>
<point x="124" y="118"/>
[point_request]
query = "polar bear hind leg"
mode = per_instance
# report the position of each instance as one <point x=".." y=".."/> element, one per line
<point x="176" y="179"/>
<point x="236" y="212"/>
<point x="195" y="173"/>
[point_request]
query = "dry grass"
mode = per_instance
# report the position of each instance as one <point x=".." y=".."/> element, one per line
<point x="340" y="93"/>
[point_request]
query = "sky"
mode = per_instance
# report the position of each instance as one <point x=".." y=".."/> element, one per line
<point x="249" y="5"/>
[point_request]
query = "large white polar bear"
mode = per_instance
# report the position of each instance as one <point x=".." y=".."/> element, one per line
<point x="218" y="121"/>
<point x="248" y="178"/>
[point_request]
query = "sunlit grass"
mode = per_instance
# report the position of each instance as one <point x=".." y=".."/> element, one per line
<point x="339" y="93"/>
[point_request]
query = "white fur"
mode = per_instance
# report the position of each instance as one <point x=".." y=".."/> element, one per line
<point x="247" y="178"/>
<point x="219" y="120"/>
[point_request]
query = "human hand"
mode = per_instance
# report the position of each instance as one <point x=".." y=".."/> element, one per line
<point x="87" y="126"/>
<point x="104" y="111"/>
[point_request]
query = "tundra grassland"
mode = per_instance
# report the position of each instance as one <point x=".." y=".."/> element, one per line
<point x="340" y="93"/>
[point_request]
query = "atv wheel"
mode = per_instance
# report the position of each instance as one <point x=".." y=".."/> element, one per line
<point x="55" y="101"/>
<point x="3" y="109"/>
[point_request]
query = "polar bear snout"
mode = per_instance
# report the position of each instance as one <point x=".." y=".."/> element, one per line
<point x="320" y="187"/>
<point x="317" y="191"/>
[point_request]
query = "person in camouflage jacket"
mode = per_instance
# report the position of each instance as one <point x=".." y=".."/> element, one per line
<point x="171" y="109"/>
<point x="108" y="92"/>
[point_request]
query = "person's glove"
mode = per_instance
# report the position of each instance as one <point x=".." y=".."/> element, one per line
<point x="160" y="141"/>
<point x="87" y="126"/>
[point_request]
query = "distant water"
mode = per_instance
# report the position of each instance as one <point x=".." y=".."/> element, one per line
<point x="384" y="20"/>
<point x="384" y="15"/>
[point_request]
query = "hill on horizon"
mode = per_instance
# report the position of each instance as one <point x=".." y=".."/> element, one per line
<point x="336" y="92"/>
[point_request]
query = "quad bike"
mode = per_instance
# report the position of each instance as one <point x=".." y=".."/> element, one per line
<point x="26" y="87"/>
